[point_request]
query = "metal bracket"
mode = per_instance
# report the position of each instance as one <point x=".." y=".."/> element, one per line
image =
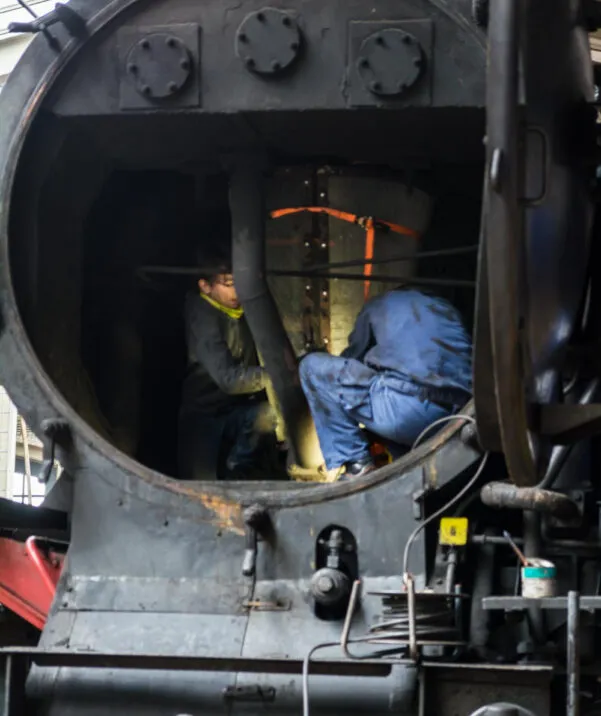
<point x="56" y="430"/>
<point x="257" y="522"/>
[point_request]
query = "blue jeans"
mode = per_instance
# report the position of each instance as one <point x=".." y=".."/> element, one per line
<point x="236" y="438"/>
<point x="343" y="392"/>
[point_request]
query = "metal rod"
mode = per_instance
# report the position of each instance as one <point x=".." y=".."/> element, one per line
<point x="573" y="657"/>
<point x="413" y="653"/>
<point x="458" y="251"/>
<point x="26" y="460"/>
<point x="349" y="618"/>
<point x="408" y="280"/>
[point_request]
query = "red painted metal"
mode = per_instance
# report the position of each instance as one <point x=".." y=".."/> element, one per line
<point x="28" y="578"/>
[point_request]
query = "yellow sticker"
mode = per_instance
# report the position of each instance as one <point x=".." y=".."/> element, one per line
<point x="453" y="531"/>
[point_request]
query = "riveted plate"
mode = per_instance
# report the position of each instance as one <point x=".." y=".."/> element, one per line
<point x="268" y="41"/>
<point x="159" y="67"/>
<point x="390" y="62"/>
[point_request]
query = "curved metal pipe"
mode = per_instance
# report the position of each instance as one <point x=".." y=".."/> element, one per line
<point x="560" y="453"/>
<point x="264" y="321"/>
<point x="503" y="494"/>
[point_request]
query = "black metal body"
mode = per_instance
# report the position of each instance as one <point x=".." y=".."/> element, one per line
<point x="207" y="598"/>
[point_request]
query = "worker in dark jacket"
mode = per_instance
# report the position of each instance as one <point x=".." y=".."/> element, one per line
<point x="408" y="364"/>
<point x="225" y="415"/>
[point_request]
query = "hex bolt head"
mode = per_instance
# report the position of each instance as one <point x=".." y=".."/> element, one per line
<point x="325" y="584"/>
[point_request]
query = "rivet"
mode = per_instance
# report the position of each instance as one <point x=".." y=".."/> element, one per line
<point x="249" y="62"/>
<point x="145" y="45"/>
<point x="132" y="67"/>
<point x="364" y="62"/>
<point x="406" y="39"/>
<point x="260" y="17"/>
<point x="172" y="87"/>
<point x="243" y="37"/>
<point x="402" y="86"/>
<point x="170" y="42"/>
<point x="375" y="86"/>
<point x="146" y="90"/>
<point x="185" y="64"/>
<point x="294" y="46"/>
<point x="380" y="40"/>
<point x="417" y="62"/>
<point x="286" y="21"/>
<point x="275" y="65"/>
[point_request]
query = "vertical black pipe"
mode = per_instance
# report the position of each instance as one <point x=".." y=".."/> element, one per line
<point x="533" y="548"/>
<point x="264" y="321"/>
<point x="573" y="655"/>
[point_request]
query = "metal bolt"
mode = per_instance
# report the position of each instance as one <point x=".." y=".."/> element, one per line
<point x="364" y="63"/>
<point x="380" y="41"/>
<point x="172" y="87"/>
<point x="375" y="86"/>
<point x="286" y="21"/>
<point x="146" y="90"/>
<point x="170" y="42"/>
<point x="260" y="17"/>
<point x="325" y="584"/>
<point x="132" y="67"/>
<point x="275" y="66"/>
<point x="243" y="37"/>
<point x="185" y="64"/>
<point x="417" y="62"/>
<point x="402" y="86"/>
<point x="145" y="45"/>
<point x="249" y="62"/>
<point x="406" y="39"/>
<point x="294" y="46"/>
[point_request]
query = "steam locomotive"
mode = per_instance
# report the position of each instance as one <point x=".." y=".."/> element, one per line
<point x="463" y="577"/>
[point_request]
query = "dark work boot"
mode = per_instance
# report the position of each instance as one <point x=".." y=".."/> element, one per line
<point x="358" y="468"/>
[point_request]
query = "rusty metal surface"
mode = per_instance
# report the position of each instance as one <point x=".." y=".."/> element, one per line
<point x="502" y="494"/>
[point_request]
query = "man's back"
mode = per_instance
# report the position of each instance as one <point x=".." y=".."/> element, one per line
<point x="416" y="336"/>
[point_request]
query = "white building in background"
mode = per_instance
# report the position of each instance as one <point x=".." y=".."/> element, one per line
<point x="13" y="45"/>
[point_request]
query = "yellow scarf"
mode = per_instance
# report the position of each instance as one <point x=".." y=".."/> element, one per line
<point x="235" y="313"/>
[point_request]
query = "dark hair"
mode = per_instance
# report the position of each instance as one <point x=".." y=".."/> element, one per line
<point x="211" y="265"/>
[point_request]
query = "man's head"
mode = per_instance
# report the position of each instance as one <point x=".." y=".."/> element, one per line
<point x="218" y="283"/>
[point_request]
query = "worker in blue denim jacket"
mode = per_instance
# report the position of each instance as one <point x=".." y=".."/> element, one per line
<point x="408" y="364"/>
